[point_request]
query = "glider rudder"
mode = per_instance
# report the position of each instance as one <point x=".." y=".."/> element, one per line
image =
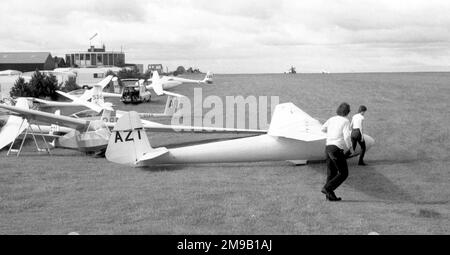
<point x="128" y="141"/>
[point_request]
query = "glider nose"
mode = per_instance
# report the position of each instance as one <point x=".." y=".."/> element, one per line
<point x="369" y="141"/>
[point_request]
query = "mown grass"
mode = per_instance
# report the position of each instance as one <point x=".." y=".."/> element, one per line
<point x="404" y="190"/>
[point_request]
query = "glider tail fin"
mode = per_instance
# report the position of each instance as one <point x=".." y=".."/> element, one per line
<point x="157" y="84"/>
<point x="172" y="104"/>
<point x="105" y="82"/>
<point x="291" y="122"/>
<point x="54" y="128"/>
<point x="128" y="141"/>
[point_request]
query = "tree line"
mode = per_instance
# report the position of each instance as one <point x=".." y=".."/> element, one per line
<point x="41" y="85"/>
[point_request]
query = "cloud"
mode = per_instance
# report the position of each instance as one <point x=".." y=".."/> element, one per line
<point x="256" y="9"/>
<point x="239" y="36"/>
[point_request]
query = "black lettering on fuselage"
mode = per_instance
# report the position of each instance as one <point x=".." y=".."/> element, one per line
<point x="128" y="138"/>
<point x="118" y="137"/>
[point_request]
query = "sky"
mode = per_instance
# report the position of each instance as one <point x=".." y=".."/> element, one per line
<point x="240" y="36"/>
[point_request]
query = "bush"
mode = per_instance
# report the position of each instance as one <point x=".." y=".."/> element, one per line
<point x="44" y="85"/>
<point x="70" y="84"/>
<point x="40" y="85"/>
<point x="180" y="70"/>
<point x="21" y="89"/>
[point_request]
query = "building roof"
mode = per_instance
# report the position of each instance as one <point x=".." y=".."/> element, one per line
<point x="58" y="59"/>
<point x="23" y="57"/>
<point x="10" y="72"/>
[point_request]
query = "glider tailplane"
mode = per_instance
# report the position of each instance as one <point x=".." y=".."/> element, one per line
<point x="128" y="143"/>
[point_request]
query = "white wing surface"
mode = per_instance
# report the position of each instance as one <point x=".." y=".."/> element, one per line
<point x="46" y="117"/>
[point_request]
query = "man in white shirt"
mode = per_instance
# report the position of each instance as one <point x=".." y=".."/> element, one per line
<point x="357" y="133"/>
<point x="338" y="142"/>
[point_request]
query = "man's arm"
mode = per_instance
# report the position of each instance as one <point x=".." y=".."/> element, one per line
<point x="347" y="135"/>
<point x="325" y="126"/>
<point x="362" y="125"/>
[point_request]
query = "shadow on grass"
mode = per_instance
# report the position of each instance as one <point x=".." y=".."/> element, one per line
<point x="175" y="167"/>
<point x="362" y="201"/>
<point x="157" y="100"/>
<point x="163" y="168"/>
<point x="377" y="162"/>
<point x="368" y="181"/>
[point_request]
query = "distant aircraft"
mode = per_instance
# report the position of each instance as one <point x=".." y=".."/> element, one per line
<point x="172" y="81"/>
<point x="291" y="70"/>
<point x="160" y="84"/>
<point x="91" y="98"/>
<point x="293" y="135"/>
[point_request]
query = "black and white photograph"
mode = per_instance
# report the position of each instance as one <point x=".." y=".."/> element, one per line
<point x="244" y="118"/>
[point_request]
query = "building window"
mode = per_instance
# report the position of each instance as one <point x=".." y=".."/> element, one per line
<point x="88" y="56"/>
<point x="81" y="56"/>
<point x="93" y="60"/>
<point x="110" y="59"/>
<point x="99" y="75"/>
<point x="99" y="58"/>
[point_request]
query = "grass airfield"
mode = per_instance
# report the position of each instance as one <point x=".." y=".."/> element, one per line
<point x="405" y="189"/>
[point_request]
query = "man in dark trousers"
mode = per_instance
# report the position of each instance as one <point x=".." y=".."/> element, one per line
<point x="338" y="146"/>
<point x="357" y="133"/>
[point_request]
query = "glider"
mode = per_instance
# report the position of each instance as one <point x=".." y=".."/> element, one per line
<point x="91" y="98"/>
<point x="90" y="135"/>
<point x="160" y="84"/>
<point x="293" y="135"/>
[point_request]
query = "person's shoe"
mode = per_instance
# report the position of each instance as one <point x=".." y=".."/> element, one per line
<point x="362" y="163"/>
<point x="334" y="197"/>
<point x="330" y="196"/>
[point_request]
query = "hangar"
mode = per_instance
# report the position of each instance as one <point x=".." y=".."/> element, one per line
<point x="26" y="61"/>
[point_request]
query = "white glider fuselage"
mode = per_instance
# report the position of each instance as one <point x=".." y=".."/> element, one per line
<point x="88" y="141"/>
<point x="160" y="84"/>
<point x="250" y="149"/>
